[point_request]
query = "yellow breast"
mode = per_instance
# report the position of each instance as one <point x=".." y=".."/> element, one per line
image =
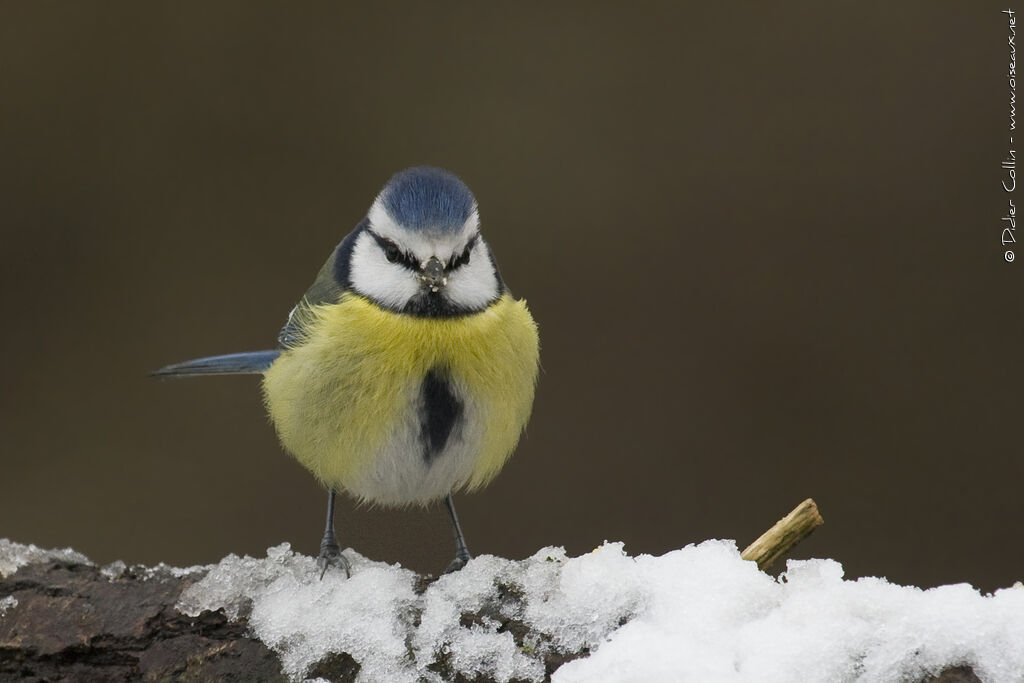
<point x="346" y="395"/>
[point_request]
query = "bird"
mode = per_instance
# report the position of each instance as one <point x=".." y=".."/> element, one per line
<point x="407" y="371"/>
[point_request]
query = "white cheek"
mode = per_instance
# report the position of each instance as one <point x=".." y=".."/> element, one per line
<point x="377" y="278"/>
<point x="474" y="285"/>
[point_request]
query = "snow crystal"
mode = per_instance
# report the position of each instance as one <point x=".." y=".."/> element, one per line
<point x="695" y="614"/>
<point x="15" y="555"/>
<point x="712" y="616"/>
<point x="304" y="619"/>
<point x="162" y="570"/>
<point x="114" y="570"/>
<point x="477" y="648"/>
<point x="7" y="603"/>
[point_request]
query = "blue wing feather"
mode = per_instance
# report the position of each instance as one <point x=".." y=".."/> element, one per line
<point x="247" y="363"/>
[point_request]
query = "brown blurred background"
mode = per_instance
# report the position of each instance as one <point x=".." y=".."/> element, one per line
<point x="762" y="244"/>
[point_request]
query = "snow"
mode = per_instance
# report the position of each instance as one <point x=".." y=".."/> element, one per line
<point x="696" y="614"/>
<point x="700" y="613"/>
<point x="13" y="556"/>
<point x="16" y="555"/>
<point x="303" y="618"/>
<point x="7" y="603"/>
<point x="712" y="617"/>
<point x="114" y="570"/>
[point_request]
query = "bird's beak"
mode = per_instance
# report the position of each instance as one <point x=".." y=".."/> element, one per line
<point x="432" y="274"/>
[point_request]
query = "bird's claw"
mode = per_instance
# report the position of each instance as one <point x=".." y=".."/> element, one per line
<point x="458" y="563"/>
<point x="330" y="556"/>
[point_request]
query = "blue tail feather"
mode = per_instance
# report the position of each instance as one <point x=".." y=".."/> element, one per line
<point x="247" y="363"/>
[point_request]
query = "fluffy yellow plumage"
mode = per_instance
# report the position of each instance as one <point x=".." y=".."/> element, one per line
<point x="342" y="399"/>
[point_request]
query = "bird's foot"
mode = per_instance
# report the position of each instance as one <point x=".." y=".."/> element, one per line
<point x="330" y="556"/>
<point x="459" y="562"/>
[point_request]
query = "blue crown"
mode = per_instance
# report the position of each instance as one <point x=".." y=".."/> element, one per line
<point x="428" y="198"/>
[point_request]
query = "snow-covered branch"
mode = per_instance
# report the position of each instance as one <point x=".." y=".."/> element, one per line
<point x="695" y="614"/>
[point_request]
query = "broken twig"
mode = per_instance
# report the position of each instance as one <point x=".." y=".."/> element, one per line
<point x="785" y="534"/>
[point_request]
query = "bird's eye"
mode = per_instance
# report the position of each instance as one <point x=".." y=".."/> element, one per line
<point x="391" y="252"/>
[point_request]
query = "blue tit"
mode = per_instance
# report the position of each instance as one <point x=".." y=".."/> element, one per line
<point x="407" y="371"/>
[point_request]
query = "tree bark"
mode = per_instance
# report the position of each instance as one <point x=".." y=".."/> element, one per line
<point x="72" y="623"/>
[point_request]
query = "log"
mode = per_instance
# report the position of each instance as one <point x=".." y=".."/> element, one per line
<point x="67" y="621"/>
<point x="63" y="618"/>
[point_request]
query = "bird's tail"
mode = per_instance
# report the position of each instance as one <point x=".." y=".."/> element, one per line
<point x="247" y="363"/>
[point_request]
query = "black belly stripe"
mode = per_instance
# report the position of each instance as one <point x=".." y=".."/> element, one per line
<point x="441" y="411"/>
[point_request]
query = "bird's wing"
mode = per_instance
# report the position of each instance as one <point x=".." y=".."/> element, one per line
<point x="246" y="363"/>
<point x="330" y="283"/>
<point x="324" y="290"/>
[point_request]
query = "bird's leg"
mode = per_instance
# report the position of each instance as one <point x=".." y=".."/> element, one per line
<point x="462" y="555"/>
<point x="330" y="551"/>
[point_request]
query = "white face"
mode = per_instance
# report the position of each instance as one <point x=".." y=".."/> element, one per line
<point x="469" y="286"/>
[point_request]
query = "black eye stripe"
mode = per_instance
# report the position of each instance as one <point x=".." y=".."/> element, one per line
<point x="393" y="253"/>
<point x="463" y="258"/>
